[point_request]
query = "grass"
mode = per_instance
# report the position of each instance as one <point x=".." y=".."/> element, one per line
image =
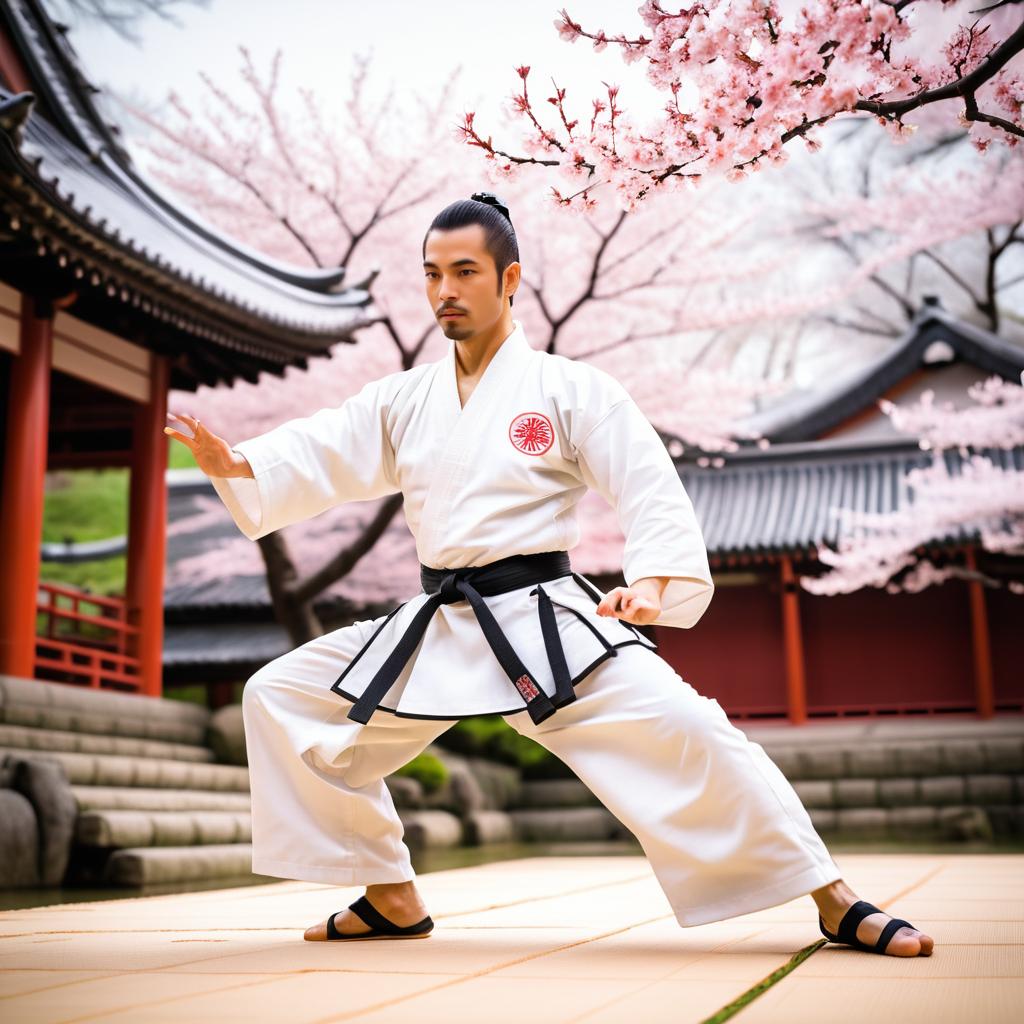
<point x="92" y="504"/>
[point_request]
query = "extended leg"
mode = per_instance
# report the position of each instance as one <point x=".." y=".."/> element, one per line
<point x="723" y="829"/>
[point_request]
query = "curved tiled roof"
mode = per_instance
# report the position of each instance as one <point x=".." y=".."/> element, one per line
<point x="77" y="215"/>
<point x="807" y="416"/>
<point x="779" y="501"/>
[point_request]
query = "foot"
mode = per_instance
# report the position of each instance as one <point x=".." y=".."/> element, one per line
<point x="833" y="902"/>
<point x="399" y="902"/>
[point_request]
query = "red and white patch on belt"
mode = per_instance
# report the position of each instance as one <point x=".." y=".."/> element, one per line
<point x="527" y="687"/>
<point x="531" y="433"/>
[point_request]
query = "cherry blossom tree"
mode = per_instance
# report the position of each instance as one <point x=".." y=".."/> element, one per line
<point x="953" y="226"/>
<point x="982" y="495"/>
<point x="360" y="195"/>
<point x="744" y="78"/>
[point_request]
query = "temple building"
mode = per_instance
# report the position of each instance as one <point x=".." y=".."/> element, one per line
<point x="111" y="294"/>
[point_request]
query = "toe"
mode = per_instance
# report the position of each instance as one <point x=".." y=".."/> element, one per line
<point x="904" y="943"/>
<point x="316" y="932"/>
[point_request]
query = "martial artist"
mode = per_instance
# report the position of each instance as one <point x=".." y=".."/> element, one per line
<point x="492" y="447"/>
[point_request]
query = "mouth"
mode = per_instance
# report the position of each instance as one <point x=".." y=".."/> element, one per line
<point x="449" y="313"/>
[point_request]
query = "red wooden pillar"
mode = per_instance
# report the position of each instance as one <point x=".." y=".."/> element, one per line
<point x="793" y="645"/>
<point x="984" y="687"/>
<point x="21" y="514"/>
<point x="147" y="524"/>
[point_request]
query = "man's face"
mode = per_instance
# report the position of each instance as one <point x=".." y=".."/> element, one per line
<point x="460" y="276"/>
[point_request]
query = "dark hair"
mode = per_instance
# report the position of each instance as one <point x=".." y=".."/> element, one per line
<point x="492" y="215"/>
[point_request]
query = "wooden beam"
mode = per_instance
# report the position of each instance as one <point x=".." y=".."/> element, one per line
<point x="793" y="645"/>
<point x="147" y="529"/>
<point x="984" y="685"/>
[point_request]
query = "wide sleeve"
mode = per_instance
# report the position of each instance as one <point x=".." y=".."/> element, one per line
<point x="307" y="464"/>
<point x="623" y="459"/>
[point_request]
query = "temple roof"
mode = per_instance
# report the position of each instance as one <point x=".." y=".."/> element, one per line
<point x="76" y="215"/>
<point x="804" y="416"/>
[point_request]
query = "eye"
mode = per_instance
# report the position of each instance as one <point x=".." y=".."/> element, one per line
<point x="466" y="270"/>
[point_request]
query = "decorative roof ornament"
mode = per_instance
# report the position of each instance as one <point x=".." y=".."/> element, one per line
<point x="14" y="113"/>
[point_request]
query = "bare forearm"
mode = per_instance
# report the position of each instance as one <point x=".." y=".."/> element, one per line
<point x="651" y="586"/>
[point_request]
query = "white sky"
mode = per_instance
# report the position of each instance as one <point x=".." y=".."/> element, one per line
<point x="415" y="46"/>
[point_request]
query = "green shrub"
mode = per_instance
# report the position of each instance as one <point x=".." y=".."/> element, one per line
<point x="490" y="736"/>
<point x="428" y="770"/>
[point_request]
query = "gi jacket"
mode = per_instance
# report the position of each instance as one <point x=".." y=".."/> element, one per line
<point x="498" y="477"/>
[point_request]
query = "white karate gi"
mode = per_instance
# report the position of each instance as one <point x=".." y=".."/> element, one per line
<point x="724" y="831"/>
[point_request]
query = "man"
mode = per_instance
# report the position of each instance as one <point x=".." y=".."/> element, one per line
<point x="492" y="447"/>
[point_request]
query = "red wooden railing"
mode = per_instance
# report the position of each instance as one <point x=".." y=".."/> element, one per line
<point x="88" y="648"/>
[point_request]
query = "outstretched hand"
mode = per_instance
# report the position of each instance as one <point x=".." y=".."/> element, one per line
<point x="639" y="604"/>
<point x="213" y="455"/>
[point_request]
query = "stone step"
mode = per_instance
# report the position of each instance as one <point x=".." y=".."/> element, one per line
<point x="555" y="793"/>
<point x="847" y="758"/>
<point x="567" y="824"/>
<point x="25" y="737"/>
<point x="162" y="828"/>
<point x="137" y="798"/>
<point x="115" y="770"/>
<point x="154" y="865"/>
<point x="921" y="823"/>
<point x="937" y="791"/>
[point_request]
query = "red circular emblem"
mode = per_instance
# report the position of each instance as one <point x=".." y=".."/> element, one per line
<point x="531" y="433"/>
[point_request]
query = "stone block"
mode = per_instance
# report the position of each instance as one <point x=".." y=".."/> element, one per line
<point x="569" y="824"/>
<point x="898" y="792"/>
<point x="787" y="759"/>
<point x="918" y="759"/>
<point x="815" y="792"/>
<point x="225" y="734"/>
<point x="865" y="822"/>
<point x="1003" y="818"/>
<point x="945" y="790"/>
<point x="485" y="826"/>
<point x="825" y="763"/>
<point x="963" y="757"/>
<point x="1004" y="755"/>
<point x="990" y="789"/>
<point x="823" y="819"/>
<point x="500" y="782"/>
<point x="964" y="823"/>
<point x="857" y="792"/>
<point x="869" y="762"/>
<point x="405" y="791"/>
<point x="910" y="822"/>
<point x="556" y="793"/>
<point x="158" y="864"/>
<point x="430" y="828"/>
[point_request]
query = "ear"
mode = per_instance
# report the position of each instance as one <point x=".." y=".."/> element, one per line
<point x="512" y="276"/>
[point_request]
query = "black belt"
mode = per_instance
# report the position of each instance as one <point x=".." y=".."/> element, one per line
<point x="473" y="584"/>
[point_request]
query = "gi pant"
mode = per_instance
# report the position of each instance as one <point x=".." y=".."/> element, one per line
<point x="722" y="828"/>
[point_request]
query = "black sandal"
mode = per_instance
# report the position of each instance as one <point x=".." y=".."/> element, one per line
<point x="847" y="931"/>
<point x="380" y="926"/>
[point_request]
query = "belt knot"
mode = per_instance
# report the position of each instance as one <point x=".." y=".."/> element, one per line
<point x="448" y="591"/>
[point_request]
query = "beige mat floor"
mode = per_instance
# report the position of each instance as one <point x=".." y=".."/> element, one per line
<point x="545" y="940"/>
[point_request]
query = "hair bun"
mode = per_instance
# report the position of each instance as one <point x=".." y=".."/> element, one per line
<point x="492" y="200"/>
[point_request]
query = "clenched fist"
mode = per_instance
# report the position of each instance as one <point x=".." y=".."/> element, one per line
<point x="213" y="455"/>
